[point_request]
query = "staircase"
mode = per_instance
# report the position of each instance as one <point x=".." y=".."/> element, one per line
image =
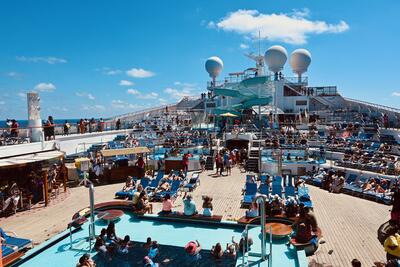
<point x="254" y="157"/>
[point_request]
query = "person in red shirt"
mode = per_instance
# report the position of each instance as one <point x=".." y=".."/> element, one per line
<point x="185" y="161"/>
<point x="140" y="165"/>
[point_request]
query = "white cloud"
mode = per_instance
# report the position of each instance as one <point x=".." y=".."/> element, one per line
<point x="108" y="71"/>
<point x="21" y="95"/>
<point x="126" y="83"/>
<point x="132" y="92"/>
<point x="292" y="28"/>
<point x="139" y="73"/>
<point x="45" y="87"/>
<point x="94" y="107"/>
<point x="119" y="104"/>
<point x="181" y="90"/>
<point x="84" y="94"/>
<point x="56" y="108"/>
<point x="396" y="94"/>
<point x="113" y="72"/>
<point x="48" y="60"/>
<point x="243" y="46"/>
<point x="13" y="74"/>
<point x="138" y="94"/>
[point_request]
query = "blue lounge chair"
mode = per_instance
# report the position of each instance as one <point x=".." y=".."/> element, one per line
<point x="276" y="190"/>
<point x="304" y="197"/>
<point x="193" y="182"/>
<point x="249" y="177"/>
<point x="19" y="243"/>
<point x="173" y="191"/>
<point x="277" y="180"/>
<point x="263" y="178"/>
<point x="6" y="251"/>
<point x="125" y="194"/>
<point x="263" y="189"/>
<point x="145" y="182"/>
<point x="290" y="191"/>
<point x="250" y="193"/>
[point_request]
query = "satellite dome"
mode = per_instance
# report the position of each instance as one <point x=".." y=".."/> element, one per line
<point x="214" y="66"/>
<point x="275" y="57"/>
<point x="300" y="60"/>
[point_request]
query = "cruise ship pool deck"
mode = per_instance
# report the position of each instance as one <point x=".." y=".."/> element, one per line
<point x="348" y="225"/>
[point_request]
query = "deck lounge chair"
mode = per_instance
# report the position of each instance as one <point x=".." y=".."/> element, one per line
<point x="14" y="241"/>
<point x="304" y="197"/>
<point x="194" y="181"/>
<point x="125" y="194"/>
<point x="290" y="191"/>
<point x="276" y="190"/>
<point x="263" y="178"/>
<point x="250" y="193"/>
<point x="173" y="191"/>
<point x="6" y="251"/>
<point x="263" y="189"/>
<point x="145" y="182"/>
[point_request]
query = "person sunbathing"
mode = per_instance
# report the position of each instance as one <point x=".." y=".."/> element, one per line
<point x="153" y="250"/>
<point x="129" y="186"/>
<point x="253" y="211"/>
<point x="136" y="195"/>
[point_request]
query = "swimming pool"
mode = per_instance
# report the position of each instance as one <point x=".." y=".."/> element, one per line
<point x="171" y="235"/>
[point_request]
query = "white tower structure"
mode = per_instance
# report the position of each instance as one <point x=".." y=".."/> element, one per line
<point x="35" y="121"/>
<point x="214" y="66"/>
<point x="300" y="60"/>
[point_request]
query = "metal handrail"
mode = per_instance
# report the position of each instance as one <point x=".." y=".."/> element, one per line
<point x="90" y="224"/>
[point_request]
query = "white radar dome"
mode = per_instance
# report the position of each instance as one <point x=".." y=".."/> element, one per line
<point x="214" y="66"/>
<point x="276" y="57"/>
<point x="300" y="60"/>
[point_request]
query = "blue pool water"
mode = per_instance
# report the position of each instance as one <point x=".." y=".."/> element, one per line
<point x="172" y="236"/>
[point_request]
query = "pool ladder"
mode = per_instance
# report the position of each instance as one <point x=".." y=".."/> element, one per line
<point x="91" y="236"/>
<point x="263" y="255"/>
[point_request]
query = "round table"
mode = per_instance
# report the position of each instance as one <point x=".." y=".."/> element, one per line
<point x="110" y="215"/>
<point x="279" y="230"/>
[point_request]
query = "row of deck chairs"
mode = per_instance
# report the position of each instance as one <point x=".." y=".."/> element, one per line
<point x="115" y="145"/>
<point x="13" y="244"/>
<point x="354" y="186"/>
<point x="277" y="187"/>
<point x="150" y="186"/>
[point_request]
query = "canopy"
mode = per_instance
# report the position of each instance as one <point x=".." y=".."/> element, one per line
<point x="30" y="158"/>
<point x="228" y="114"/>
<point x="124" y="151"/>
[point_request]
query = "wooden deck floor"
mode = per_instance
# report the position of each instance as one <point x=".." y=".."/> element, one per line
<point x="349" y="224"/>
<point x="349" y="227"/>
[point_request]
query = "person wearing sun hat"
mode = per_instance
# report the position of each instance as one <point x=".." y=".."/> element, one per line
<point x="193" y="252"/>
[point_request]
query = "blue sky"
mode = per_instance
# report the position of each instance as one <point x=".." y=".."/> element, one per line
<point x="101" y="58"/>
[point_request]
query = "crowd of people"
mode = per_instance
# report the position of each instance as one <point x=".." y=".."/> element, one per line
<point x="109" y="246"/>
<point x="226" y="159"/>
